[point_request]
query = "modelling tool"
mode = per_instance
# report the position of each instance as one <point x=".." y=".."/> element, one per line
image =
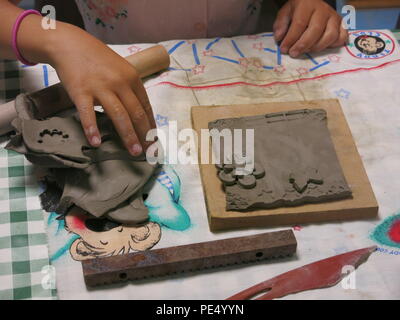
<point x="320" y="274"/>
<point x="190" y="257"/>
<point x="54" y="99"/>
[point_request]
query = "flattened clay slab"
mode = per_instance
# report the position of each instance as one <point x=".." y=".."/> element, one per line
<point x="295" y="151"/>
<point x="361" y="205"/>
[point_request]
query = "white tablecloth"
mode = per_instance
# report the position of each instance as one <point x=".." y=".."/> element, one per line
<point x="250" y="69"/>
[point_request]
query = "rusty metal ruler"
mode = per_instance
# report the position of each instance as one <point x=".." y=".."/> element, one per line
<point x="186" y="258"/>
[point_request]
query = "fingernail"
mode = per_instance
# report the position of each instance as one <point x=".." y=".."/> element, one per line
<point x="95" y="141"/>
<point x="284" y="49"/>
<point x="294" y="53"/>
<point x="137" y="149"/>
<point x="91" y="130"/>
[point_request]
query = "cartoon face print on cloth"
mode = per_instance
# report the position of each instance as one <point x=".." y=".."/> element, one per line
<point x="370" y="45"/>
<point x="162" y="199"/>
<point x="102" y="237"/>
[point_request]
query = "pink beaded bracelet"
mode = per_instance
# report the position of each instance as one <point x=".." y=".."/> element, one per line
<point x="15" y="33"/>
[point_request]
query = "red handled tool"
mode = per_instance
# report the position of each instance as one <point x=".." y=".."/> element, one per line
<point x="320" y="274"/>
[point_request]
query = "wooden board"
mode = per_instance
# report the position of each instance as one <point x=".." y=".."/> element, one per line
<point x="362" y="205"/>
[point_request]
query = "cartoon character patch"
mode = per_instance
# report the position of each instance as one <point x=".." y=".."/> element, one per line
<point x="370" y="45"/>
<point x="102" y="237"/>
<point x="86" y="237"/>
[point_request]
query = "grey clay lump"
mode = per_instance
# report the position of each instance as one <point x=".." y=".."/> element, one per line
<point x="105" y="181"/>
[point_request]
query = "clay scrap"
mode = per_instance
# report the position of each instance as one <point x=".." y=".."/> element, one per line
<point x="59" y="142"/>
<point x="105" y="181"/>
<point x="294" y="162"/>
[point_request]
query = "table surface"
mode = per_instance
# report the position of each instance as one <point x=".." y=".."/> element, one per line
<point x="24" y="259"/>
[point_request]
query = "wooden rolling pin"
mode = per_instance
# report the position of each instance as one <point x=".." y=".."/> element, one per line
<point x="54" y="99"/>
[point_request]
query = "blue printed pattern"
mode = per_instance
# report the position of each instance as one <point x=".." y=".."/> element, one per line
<point x="241" y="59"/>
<point x="164" y="179"/>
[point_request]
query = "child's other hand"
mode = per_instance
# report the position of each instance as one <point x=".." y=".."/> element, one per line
<point x="308" y="26"/>
<point x="93" y="74"/>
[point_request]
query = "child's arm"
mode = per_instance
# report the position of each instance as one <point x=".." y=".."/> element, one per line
<point x="90" y="71"/>
<point x="308" y="26"/>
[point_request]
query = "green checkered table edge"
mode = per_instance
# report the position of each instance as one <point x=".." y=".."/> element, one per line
<point x="25" y="270"/>
<point x="9" y="80"/>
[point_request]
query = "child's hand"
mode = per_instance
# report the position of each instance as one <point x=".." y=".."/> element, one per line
<point x="308" y="26"/>
<point x="93" y="74"/>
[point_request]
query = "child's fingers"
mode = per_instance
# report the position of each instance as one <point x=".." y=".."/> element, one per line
<point x="87" y="115"/>
<point x="282" y="22"/>
<point x="300" y="20"/>
<point x="122" y="122"/>
<point x="311" y="36"/>
<point x="136" y="113"/>
<point x="141" y="94"/>
<point x="342" y="40"/>
<point x="330" y="35"/>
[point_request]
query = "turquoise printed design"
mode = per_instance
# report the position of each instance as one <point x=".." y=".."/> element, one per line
<point x="60" y="252"/>
<point x="60" y="228"/>
<point x="380" y="233"/>
<point x="163" y="201"/>
<point x="53" y="218"/>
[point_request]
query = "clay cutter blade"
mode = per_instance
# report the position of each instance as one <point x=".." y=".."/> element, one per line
<point x="321" y="274"/>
